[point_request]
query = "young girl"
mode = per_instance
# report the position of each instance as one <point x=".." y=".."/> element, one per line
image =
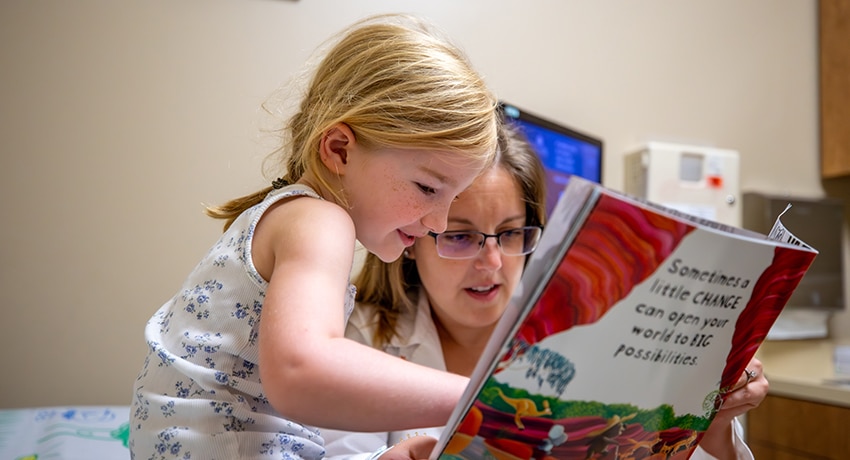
<point x="250" y="353"/>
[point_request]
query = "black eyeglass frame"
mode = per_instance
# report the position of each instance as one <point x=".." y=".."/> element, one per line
<point x="481" y="244"/>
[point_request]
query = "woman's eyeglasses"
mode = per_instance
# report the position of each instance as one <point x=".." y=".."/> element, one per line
<point x="467" y="244"/>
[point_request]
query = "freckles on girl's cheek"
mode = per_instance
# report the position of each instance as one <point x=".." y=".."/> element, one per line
<point x="395" y="184"/>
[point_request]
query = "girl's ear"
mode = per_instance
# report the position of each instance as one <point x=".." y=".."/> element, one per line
<point x="335" y="146"/>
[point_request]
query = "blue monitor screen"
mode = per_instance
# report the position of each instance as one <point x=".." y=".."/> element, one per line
<point x="563" y="151"/>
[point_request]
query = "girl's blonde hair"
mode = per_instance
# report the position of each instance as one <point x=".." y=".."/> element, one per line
<point x="394" y="287"/>
<point x="396" y="82"/>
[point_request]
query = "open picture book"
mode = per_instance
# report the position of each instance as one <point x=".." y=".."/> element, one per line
<point x="629" y="324"/>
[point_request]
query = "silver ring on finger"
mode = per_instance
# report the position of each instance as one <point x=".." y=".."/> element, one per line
<point x="750" y="375"/>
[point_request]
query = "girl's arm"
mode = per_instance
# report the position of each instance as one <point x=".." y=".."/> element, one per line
<point x="349" y="445"/>
<point x="310" y="372"/>
<point x="415" y="448"/>
<point x="354" y="445"/>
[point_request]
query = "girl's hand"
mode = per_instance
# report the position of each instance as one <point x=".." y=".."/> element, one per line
<point x="413" y="448"/>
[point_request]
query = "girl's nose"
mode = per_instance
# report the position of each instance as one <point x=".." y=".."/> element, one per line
<point x="436" y="220"/>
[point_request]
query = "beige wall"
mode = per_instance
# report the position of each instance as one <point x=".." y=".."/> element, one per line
<point x="119" y="119"/>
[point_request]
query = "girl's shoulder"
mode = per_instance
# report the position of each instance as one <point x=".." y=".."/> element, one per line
<point x="275" y="198"/>
<point x="289" y="209"/>
<point x="301" y="228"/>
<point x="303" y="214"/>
<point x="292" y="190"/>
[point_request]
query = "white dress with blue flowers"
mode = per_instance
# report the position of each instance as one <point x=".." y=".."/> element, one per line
<point x="199" y="395"/>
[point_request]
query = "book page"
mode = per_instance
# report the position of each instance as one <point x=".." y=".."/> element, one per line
<point x="779" y="233"/>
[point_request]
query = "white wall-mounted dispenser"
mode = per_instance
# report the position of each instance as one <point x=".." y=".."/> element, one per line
<point x="703" y="181"/>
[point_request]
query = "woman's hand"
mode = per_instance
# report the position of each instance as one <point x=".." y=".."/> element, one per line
<point x="747" y="393"/>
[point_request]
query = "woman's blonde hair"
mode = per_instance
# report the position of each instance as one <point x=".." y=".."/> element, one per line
<point x="396" y="82"/>
<point x="393" y="288"/>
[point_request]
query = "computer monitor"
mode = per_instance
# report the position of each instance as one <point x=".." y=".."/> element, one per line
<point x="563" y="150"/>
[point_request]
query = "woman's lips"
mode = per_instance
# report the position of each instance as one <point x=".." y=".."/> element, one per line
<point x="483" y="292"/>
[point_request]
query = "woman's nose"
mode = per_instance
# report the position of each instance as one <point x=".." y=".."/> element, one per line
<point x="490" y="255"/>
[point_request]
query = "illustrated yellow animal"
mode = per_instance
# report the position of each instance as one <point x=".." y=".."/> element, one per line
<point x="524" y="407"/>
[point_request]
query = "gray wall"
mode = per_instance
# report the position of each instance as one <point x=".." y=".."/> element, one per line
<point x="119" y="120"/>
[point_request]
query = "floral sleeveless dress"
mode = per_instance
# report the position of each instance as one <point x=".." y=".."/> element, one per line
<point x="199" y="395"/>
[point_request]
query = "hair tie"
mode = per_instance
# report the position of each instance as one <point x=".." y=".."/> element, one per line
<point x="279" y="183"/>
